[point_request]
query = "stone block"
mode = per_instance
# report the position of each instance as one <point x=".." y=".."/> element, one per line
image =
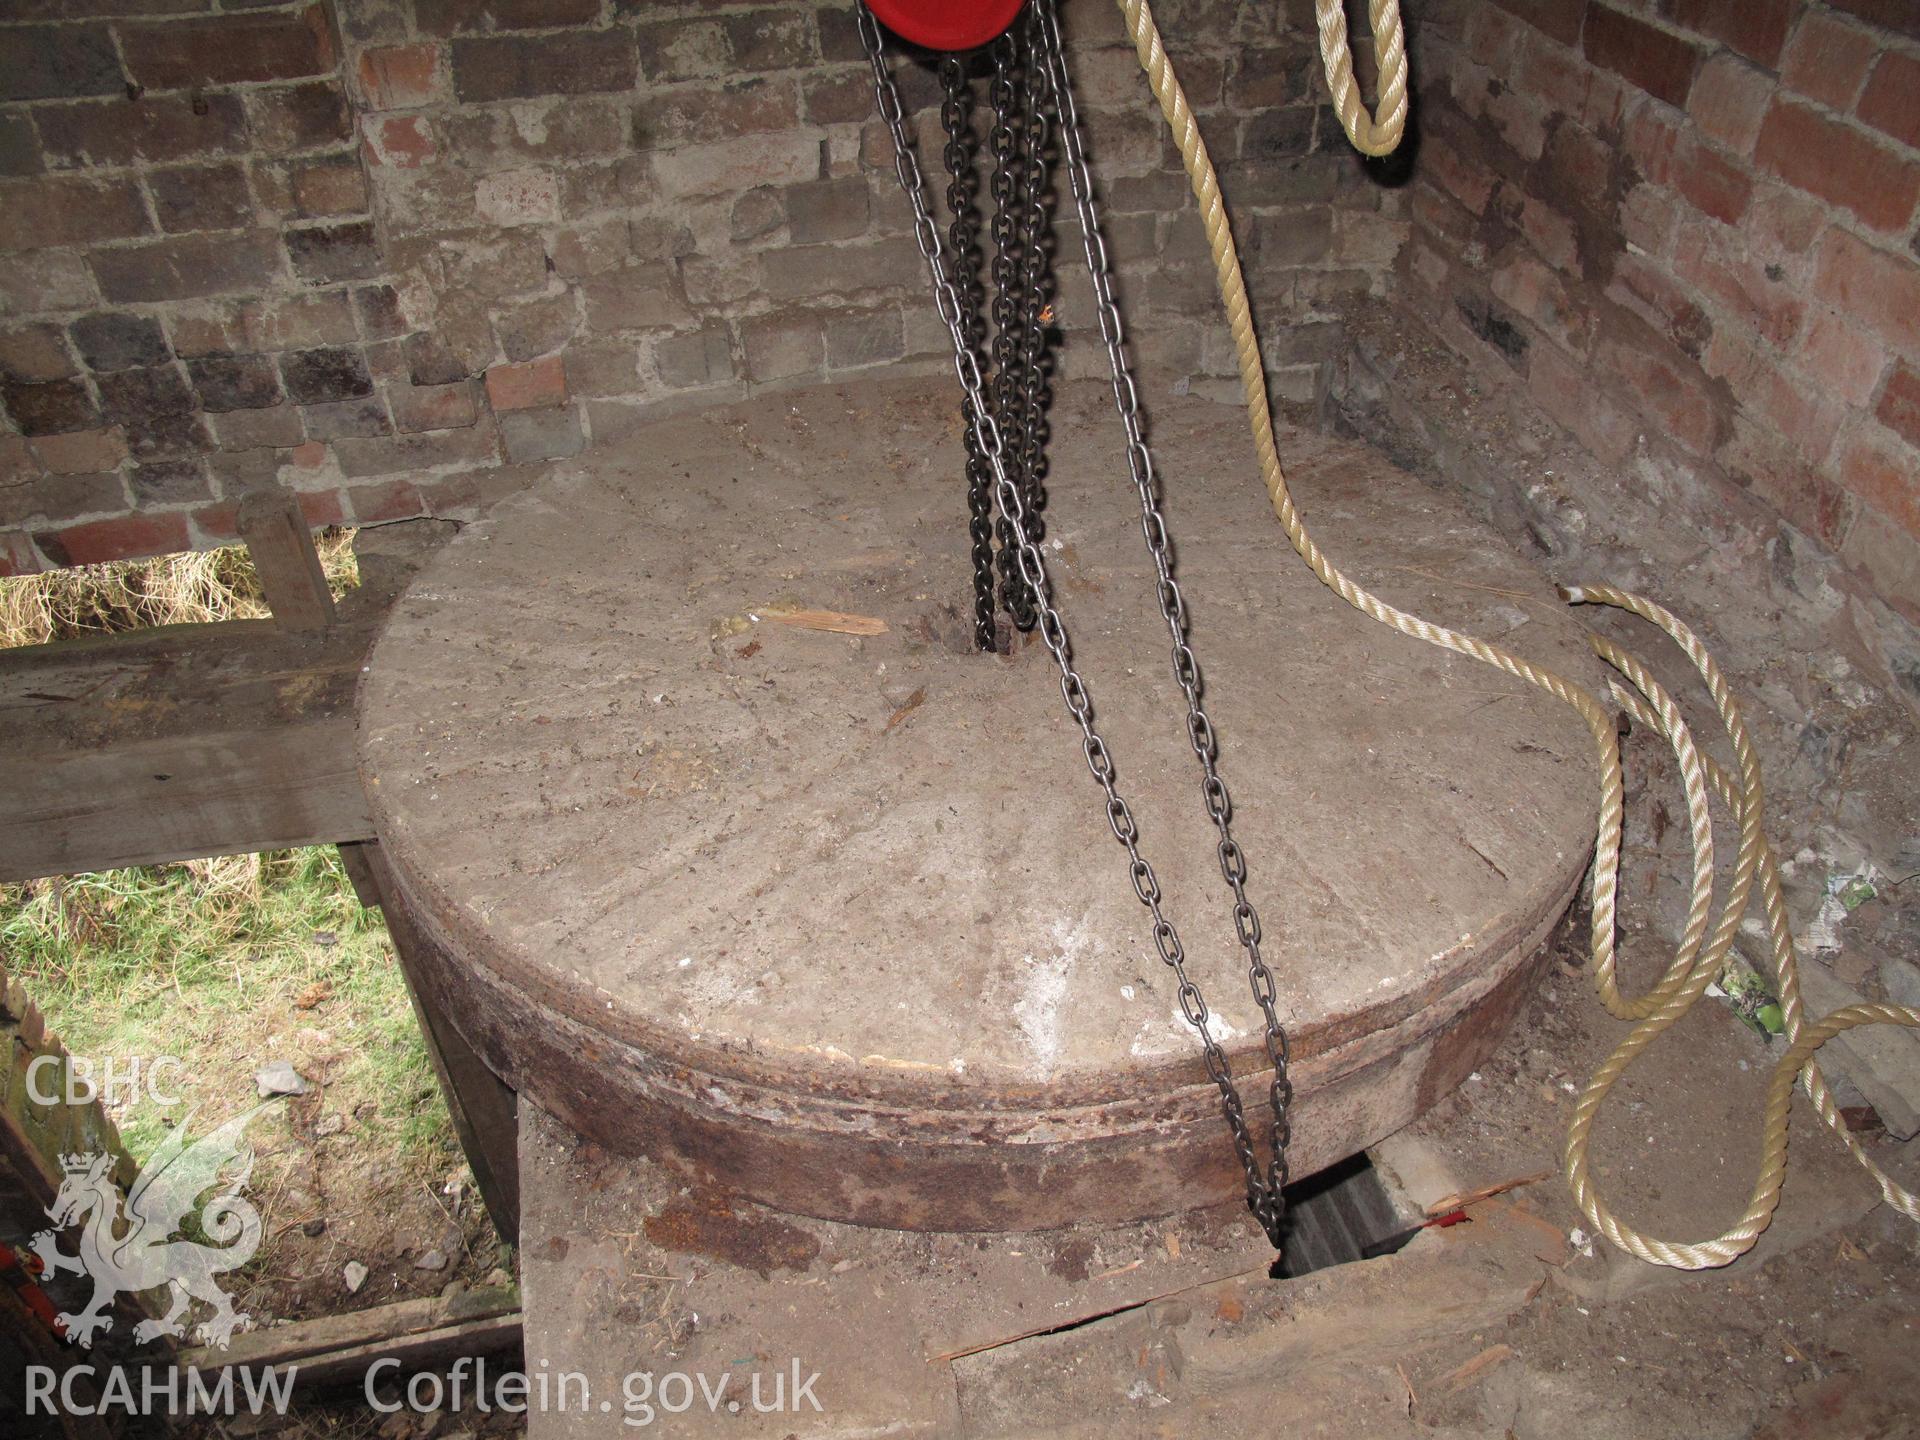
<point x="530" y="435"/>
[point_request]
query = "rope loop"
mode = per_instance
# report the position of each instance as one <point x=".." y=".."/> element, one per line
<point x="1379" y="133"/>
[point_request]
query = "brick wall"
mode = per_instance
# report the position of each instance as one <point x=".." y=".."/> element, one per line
<point x="398" y="255"/>
<point x="1690" y="225"/>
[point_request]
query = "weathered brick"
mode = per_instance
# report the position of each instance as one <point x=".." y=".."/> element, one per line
<point x="234" y="382"/>
<point x="756" y="215"/>
<point x="299" y="322"/>
<point x="689" y="48"/>
<point x="1277" y="134"/>
<point x="1529" y="288"/>
<point x="432" y="407"/>
<point x="519" y="197"/>
<point x="1755" y="28"/>
<point x="50" y="407"/>
<point x="1728" y="102"/>
<point x="290" y="118"/>
<point x="324" y="254"/>
<point x="857" y="340"/>
<point x="45" y="62"/>
<point x="432" y="361"/>
<point x="1899" y="407"/>
<point x="230" y="50"/>
<point x="771" y="39"/>
<point x="116" y="340"/>
<point x="68" y="211"/>
<point x="377" y="307"/>
<point x="1882" y="471"/>
<point x="1829" y="59"/>
<point x="827" y="210"/>
<point x="539" y="132"/>
<point x="1742" y="286"/>
<point x="1711" y="183"/>
<point x="386" y="501"/>
<point x="537" y="328"/>
<point x="1898" y="15"/>
<point x="484" y="17"/>
<point x="519" y="67"/>
<point x="53" y="499"/>
<point x="530" y="435"/>
<point x="837" y="99"/>
<point x="1661" y="389"/>
<point x="406" y="142"/>
<point x="42" y="281"/>
<point x="333" y="186"/>
<point x="783" y="346"/>
<point x="1293" y="237"/>
<point x="701" y="357"/>
<point x="692" y="114"/>
<point x="81" y="452"/>
<point x="394" y="454"/>
<point x="92" y="543"/>
<point x="634" y="297"/>
<point x="600" y="186"/>
<point x="803" y="272"/>
<point x="1468" y="182"/>
<point x="1839" y="164"/>
<point x="1647" y="290"/>
<point x="277" y="427"/>
<point x="603" y="367"/>
<point x="528" y="386"/>
<point x="1847" y="359"/>
<point x="331" y="421"/>
<point x="1657" y="61"/>
<point x="187" y="268"/>
<point x="1557" y="18"/>
<point x="157" y="409"/>
<point x="400" y="77"/>
<point x="34" y="352"/>
<point x="20" y="152"/>
<point x="201" y="197"/>
<point x="324" y="374"/>
<point x="727" y="167"/>
<point x="155" y="128"/>
<point x="1891" y="102"/>
<point x="169" y="482"/>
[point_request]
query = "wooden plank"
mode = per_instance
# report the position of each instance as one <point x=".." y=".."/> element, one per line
<point x="281" y="545"/>
<point x="467" y="1322"/>
<point x="485" y="1110"/>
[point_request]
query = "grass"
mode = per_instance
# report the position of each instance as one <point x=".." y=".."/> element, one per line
<point x="224" y="963"/>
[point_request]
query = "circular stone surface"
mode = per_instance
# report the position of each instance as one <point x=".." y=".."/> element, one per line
<point x="838" y="919"/>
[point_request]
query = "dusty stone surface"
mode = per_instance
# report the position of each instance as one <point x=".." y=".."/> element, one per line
<point x="859" y="889"/>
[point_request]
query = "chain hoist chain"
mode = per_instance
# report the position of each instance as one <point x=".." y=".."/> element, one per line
<point x="1264" y="1201"/>
<point x="1036" y="277"/>
<point x="1007" y="141"/>
<point x="1186" y="668"/>
<point x="956" y="118"/>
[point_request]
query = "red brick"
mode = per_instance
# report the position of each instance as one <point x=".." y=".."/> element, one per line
<point x="1756" y="28"/>
<point x="1712" y="184"/>
<point x="230" y="50"/>
<point x="1551" y="234"/>
<point x="1741" y="285"/>
<point x="1783" y="224"/>
<point x="322" y="508"/>
<point x="1564" y="388"/>
<point x="525" y="387"/>
<point x="159" y="128"/>
<point x="1646" y="289"/>
<point x="405" y="142"/>
<point x="518" y="67"/>
<point x="1532" y="290"/>
<point x="1892" y="99"/>
<point x="1557" y="18"/>
<point x="1829" y="58"/>
<point x="310" y="456"/>
<point x="1568" y="84"/>
<point x="383" y="501"/>
<point x="49" y="210"/>
<point x="1791" y="406"/>
<point x="1898" y="15"/>
<point x="1460" y="177"/>
<point x="432" y="407"/>
<point x="1848" y="361"/>
<point x="124" y="538"/>
<point x="1677" y="402"/>
<point x="1899" y="408"/>
<point x="34" y="353"/>
<point x="1840" y="164"/>
<point x="1648" y="216"/>
<point x="1876" y="289"/>
<point x="1884" y="472"/>
<point x="1761" y="462"/>
<point x="1728" y="102"/>
<point x="1652" y="139"/>
<point x="81" y="452"/>
<point x="1656" y="60"/>
<point x="398" y="77"/>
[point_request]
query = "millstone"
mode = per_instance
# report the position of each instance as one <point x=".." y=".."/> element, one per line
<point x="834" y="919"/>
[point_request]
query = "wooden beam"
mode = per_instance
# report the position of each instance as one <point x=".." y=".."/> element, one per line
<point x="175" y="743"/>
<point x="338" y="1348"/>
<point x="281" y="545"/>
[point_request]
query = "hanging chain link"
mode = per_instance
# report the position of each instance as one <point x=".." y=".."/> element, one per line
<point x="1036" y="277"/>
<point x="1007" y="139"/>
<point x="956" y="118"/>
<point x="1263" y="1192"/>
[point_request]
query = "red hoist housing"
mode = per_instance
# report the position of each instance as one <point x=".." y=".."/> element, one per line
<point x="946" y="24"/>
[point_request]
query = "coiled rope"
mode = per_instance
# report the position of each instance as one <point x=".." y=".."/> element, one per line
<point x="1704" y="944"/>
